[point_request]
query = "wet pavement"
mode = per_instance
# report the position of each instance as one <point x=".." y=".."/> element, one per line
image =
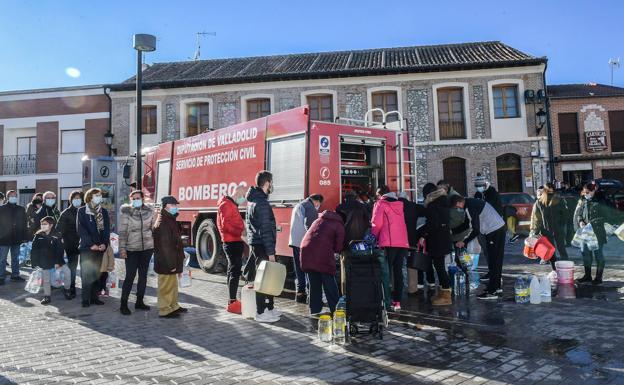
<point x="567" y="341"/>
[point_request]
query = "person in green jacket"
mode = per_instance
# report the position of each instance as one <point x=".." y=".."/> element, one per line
<point x="548" y="219"/>
<point x="592" y="209"/>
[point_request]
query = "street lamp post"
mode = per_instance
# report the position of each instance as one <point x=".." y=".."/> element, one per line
<point x="142" y="43"/>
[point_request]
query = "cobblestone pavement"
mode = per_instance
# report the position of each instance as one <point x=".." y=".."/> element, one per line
<point x="574" y="341"/>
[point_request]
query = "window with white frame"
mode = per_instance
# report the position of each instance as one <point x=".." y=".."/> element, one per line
<point x="451" y="113"/>
<point x="27" y="146"/>
<point x="258" y="108"/>
<point x="72" y="141"/>
<point x="505" y="98"/>
<point x="321" y="107"/>
<point x="387" y="101"/>
<point x="197" y="118"/>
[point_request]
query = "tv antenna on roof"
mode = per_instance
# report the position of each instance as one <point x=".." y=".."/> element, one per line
<point x="199" y="35"/>
<point x="614" y="63"/>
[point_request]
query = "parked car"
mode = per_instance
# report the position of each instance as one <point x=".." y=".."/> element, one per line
<point x="523" y="203"/>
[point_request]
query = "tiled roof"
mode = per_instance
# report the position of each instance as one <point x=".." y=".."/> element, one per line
<point x="333" y="64"/>
<point x="568" y="91"/>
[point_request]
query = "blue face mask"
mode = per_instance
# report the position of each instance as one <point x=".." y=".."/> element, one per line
<point x="50" y="202"/>
<point x="13" y="200"/>
<point x="137" y="203"/>
<point x="173" y="210"/>
<point x="240" y="200"/>
<point x="76" y="202"/>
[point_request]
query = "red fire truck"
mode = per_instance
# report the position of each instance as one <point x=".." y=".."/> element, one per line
<point x="305" y="157"/>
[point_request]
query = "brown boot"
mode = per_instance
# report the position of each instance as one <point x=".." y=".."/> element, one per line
<point x="443" y="298"/>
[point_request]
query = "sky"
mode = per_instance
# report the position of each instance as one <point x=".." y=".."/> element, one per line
<point x="57" y="43"/>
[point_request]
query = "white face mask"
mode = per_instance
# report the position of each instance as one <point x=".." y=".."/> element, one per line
<point x="97" y="199"/>
<point x="45" y="228"/>
<point x="481" y="189"/>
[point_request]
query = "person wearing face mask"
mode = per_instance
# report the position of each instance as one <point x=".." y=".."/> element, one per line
<point x="487" y="192"/>
<point x="136" y="246"/>
<point x="231" y="229"/>
<point x="13" y="233"/>
<point x="47" y="253"/>
<point x="591" y="209"/>
<point x="168" y="258"/>
<point x="31" y="212"/>
<point x="302" y="217"/>
<point x="261" y="237"/>
<point x="48" y="209"/>
<point x="548" y="219"/>
<point x="93" y="225"/>
<point x="69" y="234"/>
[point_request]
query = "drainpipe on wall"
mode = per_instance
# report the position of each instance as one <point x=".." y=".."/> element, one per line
<point x="551" y="155"/>
<point x="110" y="117"/>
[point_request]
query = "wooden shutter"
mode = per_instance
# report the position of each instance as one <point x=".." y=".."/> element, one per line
<point x="454" y="170"/>
<point x="568" y="133"/>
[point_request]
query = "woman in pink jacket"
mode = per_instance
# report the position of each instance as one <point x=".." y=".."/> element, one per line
<point x="388" y="226"/>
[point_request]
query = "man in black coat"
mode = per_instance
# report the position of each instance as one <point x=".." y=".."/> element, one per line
<point x="69" y="234"/>
<point x="12" y="235"/>
<point x="261" y="236"/>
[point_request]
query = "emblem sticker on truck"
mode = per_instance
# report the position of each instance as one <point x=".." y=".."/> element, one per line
<point x="324" y="145"/>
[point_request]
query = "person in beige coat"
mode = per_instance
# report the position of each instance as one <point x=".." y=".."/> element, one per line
<point x="136" y="246"/>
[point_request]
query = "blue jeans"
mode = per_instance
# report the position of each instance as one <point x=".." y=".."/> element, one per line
<point x="320" y="283"/>
<point x="4" y="251"/>
<point x="301" y="276"/>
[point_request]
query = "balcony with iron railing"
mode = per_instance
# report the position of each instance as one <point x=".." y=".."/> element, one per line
<point x="19" y="164"/>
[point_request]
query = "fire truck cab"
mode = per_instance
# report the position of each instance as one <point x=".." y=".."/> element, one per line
<point x="305" y="157"/>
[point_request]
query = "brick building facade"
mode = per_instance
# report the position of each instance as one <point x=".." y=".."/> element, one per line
<point x="45" y="133"/>
<point x="463" y="104"/>
<point x="588" y="132"/>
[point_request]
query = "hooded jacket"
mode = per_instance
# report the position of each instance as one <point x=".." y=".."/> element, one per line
<point x="412" y="211"/>
<point x="229" y="221"/>
<point x="388" y="222"/>
<point x="356" y="218"/>
<point x="135" y="228"/>
<point x="549" y="217"/>
<point x="436" y="230"/>
<point x="324" y="238"/>
<point x="260" y="221"/>
<point x="168" y="247"/>
<point x="303" y="215"/>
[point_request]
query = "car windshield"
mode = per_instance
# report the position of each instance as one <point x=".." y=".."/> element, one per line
<point x="510" y="199"/>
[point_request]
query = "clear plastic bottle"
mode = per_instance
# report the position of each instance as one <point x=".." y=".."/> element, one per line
<point x="325" y="328"/>
<point x="342" y="304"/>
<point x="535" y="291"/>
<point x="475" y="280"/>
<point x="521" y="289"/>
<point x="460" y="284"/>
<point x="339" y="327"/>
<point x="545" y="288"/>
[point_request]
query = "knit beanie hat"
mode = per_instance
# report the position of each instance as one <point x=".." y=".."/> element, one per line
<point x="429" y="188"/>
<point x="480" y="180"/>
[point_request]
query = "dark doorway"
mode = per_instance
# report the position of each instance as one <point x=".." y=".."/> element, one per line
<point x="509" y="173"/>
<point x="576" y="178"/>
<point x="454" y="170"/>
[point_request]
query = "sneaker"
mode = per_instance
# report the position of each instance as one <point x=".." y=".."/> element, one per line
<point x="181" y="310"/>
<point x="396" y="306"/>
<point x="234" y="307"/>
<point x="173" y="314"/>
<point x="46" y="300"/>
<point x="432" y="285"/>
<point x="499" y="291"/>
<point x="420" y="287"/>
<point x="486" y="295"/>
<point x="514" y="238"/>
<point x="266" y="317"/>
<point x="274" y="312"/>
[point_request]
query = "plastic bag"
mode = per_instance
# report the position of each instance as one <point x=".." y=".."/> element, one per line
<point x="35" y="281"/>
<point x="114" y="242"/>
<point x="56" y="278"/>
<point x="120" y="268"/>
<point x="24" y="254"/>
<point x="473" y="247"/>
<point x="185" y="278"/>
<point x="150" y="269"/>
<point x="578" y="240"/>
<point x="609" y="229"/>
<point x="590" y="238"/>
<point x="112" y="283"/>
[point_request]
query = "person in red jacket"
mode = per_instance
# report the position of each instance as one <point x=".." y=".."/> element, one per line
<point x="231" y="228"/>
<point x="324" y="238"/>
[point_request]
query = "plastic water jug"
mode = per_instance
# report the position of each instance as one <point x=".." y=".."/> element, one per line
<point x="270" y="278"/>
<point x="340" y="327"/>
<point x="545" y="288"/>
<point x="459" y="288"/>
<point x="248" y="301"/>
<point x="185" y="278"/>
<point x="325" y="328"/>
<point x="112" y="283"/>
<point x="521" y="289"/>
<point x="535" y="291"/>
<point x="565" y="272"/>
<point x="619" y="232"/>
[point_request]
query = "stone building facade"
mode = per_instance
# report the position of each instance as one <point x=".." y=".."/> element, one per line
<point x="588" y="132"/>
<point x="501" y="148"/>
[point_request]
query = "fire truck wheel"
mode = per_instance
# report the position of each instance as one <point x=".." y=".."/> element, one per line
<point x="208" y="246"/>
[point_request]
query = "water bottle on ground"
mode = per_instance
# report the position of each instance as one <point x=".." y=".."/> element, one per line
<point x="460" y="284"/>
<point x="342" y="304"/>
<point x="521" y="289"/>
<point x="325" y="328"/>
<point x="545" y="288"/>
<point x="535" y="291"/>
<point x="339" y="327"/>
<point x="475" y="280"/>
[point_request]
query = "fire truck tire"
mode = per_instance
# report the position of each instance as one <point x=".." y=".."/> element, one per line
<point x="208" y="246"/>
